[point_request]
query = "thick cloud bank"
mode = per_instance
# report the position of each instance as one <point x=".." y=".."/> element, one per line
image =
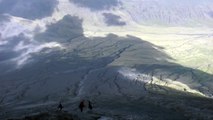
<point x="29" y="9"/>
<point x="113" y="20"/>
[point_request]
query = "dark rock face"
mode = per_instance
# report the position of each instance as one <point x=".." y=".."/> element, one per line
<point x="29" y="9"/>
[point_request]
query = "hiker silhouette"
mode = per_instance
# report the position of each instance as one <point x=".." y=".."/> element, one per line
<point x="60" y="107"/>
<point x="81" y="105"/>
<point x="90" y="105"/>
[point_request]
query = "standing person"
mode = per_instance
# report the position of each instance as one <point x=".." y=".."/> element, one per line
<point x="60" y="107"/>
<point x="81" y="105"/>
<point x="89" y="105"/>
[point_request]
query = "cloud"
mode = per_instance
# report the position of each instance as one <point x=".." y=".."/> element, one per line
<point x="95" y="5"/>
<point x="30" y="49"/>
<point x="113" y="20"/>
<point x="4" y="18"/>
<point x="19" y="49"/>
<point x="68" y="28"/>
<point x="29" y="9"/>
<point x="7" y="46"/>
<point x="211" y="14"/>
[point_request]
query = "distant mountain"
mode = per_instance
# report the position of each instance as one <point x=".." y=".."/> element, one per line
<point x="158" y="12"/>
<point x="170" y="12"/>
<point x="147" y="12"/>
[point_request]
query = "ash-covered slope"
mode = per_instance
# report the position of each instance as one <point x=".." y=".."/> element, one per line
<point x="88" y="68"/>
<point x="65" y="56"/>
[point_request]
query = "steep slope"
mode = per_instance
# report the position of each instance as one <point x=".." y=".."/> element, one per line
<point x="99" y="68"/>
<point x="103" y="53"/>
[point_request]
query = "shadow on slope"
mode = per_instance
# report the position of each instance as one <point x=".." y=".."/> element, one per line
<point x="89" y="67"/>
<point x="95" y="58"/>
<point x="127" y="51"/>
